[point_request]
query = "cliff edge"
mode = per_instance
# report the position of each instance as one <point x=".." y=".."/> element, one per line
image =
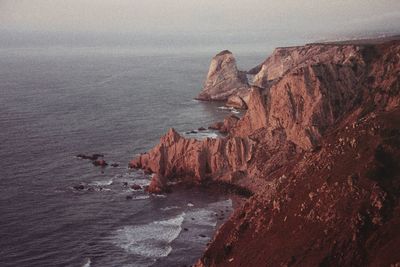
<point x="319" y="146"/>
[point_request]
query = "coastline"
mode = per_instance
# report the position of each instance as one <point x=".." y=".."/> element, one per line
<point x="260" y="153"/>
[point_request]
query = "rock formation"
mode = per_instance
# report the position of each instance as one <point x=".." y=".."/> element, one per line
<point x="335" y="207"/>
<point x="195" y="161"/>
<point x="319" y="146"/>
<point x="224" y="81"/>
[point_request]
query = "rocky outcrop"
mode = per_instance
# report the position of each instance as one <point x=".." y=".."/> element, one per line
<point x="224" y="80"/>
<point x="324" y="84"/>
<point x="289" y="58"/>
<point x="196" y="161"/>
<point x="340" y="205"/>
<point x="225" y="126"/>
<point x="306" y="90"/>
<point x="319" y="146"/>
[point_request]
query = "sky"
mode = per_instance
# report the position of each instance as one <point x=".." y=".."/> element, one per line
<point x="281" y="18"/>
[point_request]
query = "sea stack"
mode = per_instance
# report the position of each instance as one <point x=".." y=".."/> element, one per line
<point x="319" y="149"/>
<point x="224" y="80"/>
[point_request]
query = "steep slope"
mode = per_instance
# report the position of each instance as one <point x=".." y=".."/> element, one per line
<point x="335" y="207"/>
<point x="319" y="146"/>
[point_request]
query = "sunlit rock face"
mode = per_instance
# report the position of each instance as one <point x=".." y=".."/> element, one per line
<point x="224" y="80"/>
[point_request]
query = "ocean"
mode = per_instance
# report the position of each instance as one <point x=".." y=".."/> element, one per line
<point x="58" y="102"/>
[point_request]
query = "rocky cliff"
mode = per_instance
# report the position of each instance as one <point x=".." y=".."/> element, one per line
<point x="319" y="146"/>
<point x="225" y="82"/>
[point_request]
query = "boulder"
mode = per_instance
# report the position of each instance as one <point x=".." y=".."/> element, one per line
<point x="90" y="157"/>
<point x="79" y="187"/>
<point x="100" y="162"/>
<point x="136" y="187"/>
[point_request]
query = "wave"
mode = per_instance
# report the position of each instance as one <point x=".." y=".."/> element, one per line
<point x="102" y="183"/>
<point x="202" y="217"/>
<point x="87" y="263"/>
<point x="231" y="109"/>
<point x="169" y="208"/>
<point x="149" y="240"/>
<point x="201" y="135"/>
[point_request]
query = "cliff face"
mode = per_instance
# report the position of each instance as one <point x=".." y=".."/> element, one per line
<point x="179" y="159"/>
<point x="307" y="90"/>
<point x="225" y="80"/>
<point x="319" y="145"/>
<point x="288" y="58"/>
<point x="335" y="207"/>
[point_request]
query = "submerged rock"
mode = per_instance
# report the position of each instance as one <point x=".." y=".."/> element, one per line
<point x="79" y="187"/>
<point x="136" y="187"/>
<point x="90" y="157"/>
<point x="100" y="162"/>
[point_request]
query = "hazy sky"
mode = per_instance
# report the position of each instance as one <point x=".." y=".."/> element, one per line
<point x="215" y="23"/>
<point x="197" y="15"/>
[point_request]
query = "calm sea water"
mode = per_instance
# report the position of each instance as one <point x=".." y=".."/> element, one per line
<point x="59" y="102"/>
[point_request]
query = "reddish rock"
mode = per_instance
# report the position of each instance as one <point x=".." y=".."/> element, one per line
<point x="178" y="157"/>
<point x="90" y="157"/>
<point x="319" y="146"/>
<point x="136" y="187"/>
<point x="237" y="102"/>
<point x="100" y="162"/>
<point x="157" y="185"/>
<point x="223" y="79"/>
<point x="226" y="125"/>
<point x="216" y="126"/>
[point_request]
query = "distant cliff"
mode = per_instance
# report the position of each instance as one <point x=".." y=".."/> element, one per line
<point x="319" y="146"/>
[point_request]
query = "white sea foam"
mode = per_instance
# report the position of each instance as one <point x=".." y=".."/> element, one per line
<point x="169" y="208"/>
<point x="149" y="240"/>
<point x="202" y="217"/>
<point x="141" y="197"/>
<point x="102" y="183"/>
<point x="87" y="263"/>
<point x="142" y="182"/>
<point x="231" y="109"/>
<point x="206" y="216"/>
<point x="201" y="135"/>
<point x="227" y="204"/>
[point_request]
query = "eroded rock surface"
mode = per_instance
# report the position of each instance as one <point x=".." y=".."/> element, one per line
<point x="177" y="158"/>
<point x="319" y="146"/>
<point x="224" y="79"/>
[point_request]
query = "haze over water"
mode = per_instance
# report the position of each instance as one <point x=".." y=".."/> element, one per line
<point x="111" y="77"/>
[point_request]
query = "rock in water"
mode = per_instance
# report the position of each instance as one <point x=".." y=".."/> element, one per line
<point x="136" y="187"/>
<point x="100" y="162"/>
<point x="223" y="79"/>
